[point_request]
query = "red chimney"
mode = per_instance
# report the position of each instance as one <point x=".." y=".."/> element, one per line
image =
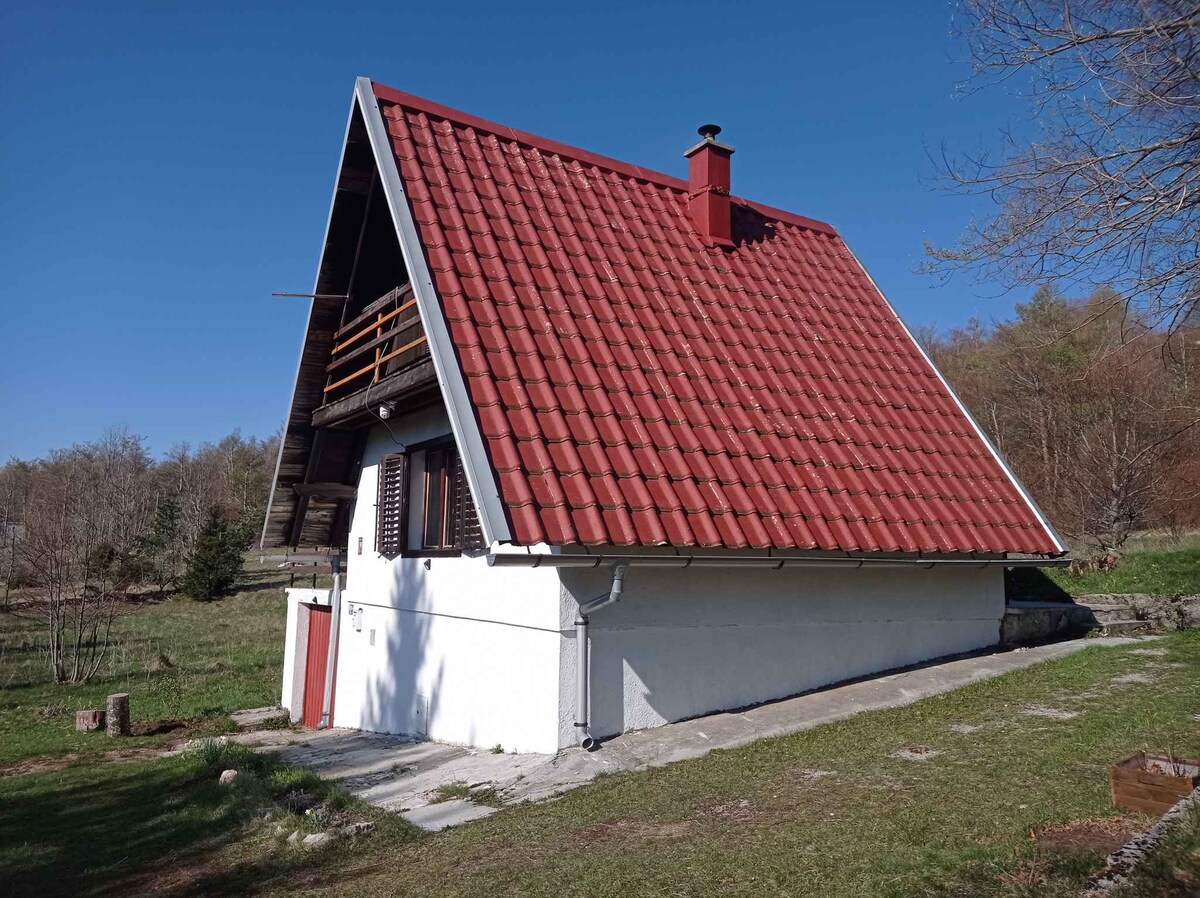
<point x="708" y="187"/>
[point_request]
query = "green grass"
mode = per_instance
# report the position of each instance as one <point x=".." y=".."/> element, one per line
<point x="830" y="812"/>
<point x="1168" y="571"/>
<point x="458" y="791"/>
<point x="179" y="660"/>
<point x="1172" y="870"/>
<point x="461" y="791"/>
<point x="1164" y="570"/>
<point x="143" y="828"/>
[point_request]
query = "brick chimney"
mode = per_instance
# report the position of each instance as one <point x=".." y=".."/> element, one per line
<point x="708" y="188"/>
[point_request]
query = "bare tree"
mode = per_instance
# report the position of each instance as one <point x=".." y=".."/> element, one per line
<point x="1103" y="186"/>
<point x="85" y="508"/>
<point x="14" y="490"/>
<point x="1096" y="412"/>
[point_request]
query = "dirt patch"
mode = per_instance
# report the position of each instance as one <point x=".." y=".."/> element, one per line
<point x="62" y="762"/>
<point x="1104" y="835"/>
<point x="1050" y="713"/>
<point x="740" y="812"/>
<point x="631" y="829"/>
<point x="916" y="753"/>
<point x="122" y="755"/>
<point x="1150" y="653"/>
<point x="809" y="774"/>
<point x="1136" y="677"/>
<point x="158" y="727"/>
<point x="38" y="765"/>
<point x="964" y="729"/>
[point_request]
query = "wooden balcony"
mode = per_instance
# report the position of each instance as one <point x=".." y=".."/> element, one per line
<point x="380" y="355"/>
<point x="385" y="339"/>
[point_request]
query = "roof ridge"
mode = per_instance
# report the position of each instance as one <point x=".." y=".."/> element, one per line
<point x="546" y="144"/>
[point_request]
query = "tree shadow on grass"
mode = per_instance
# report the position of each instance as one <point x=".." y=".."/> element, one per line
<point x="123" y="829"/>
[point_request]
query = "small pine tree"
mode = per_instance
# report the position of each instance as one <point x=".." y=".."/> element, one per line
<point x="161" y="548"/>
<point x="215" y="561"/>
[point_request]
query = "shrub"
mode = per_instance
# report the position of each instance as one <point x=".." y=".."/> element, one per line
<point x="215" y="562"/>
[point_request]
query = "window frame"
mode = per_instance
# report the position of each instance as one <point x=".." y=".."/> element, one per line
<point x="453" y="477"/>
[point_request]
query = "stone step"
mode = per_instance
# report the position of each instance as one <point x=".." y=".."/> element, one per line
<point x="1123" y="627"/>
<point x="1105" y="612"/>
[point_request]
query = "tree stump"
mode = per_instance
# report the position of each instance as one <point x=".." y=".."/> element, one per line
<point x="89" y="721"/>
<point x="118" y="714"/>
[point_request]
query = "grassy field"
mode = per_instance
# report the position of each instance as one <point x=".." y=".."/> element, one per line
<point x="1173" y="870"/>
<point x="1164" y="571"/>
<point x="1169" y="570"/>
<point x="998" y="789"/>
<point x="1011" y="799"/>
<point x="182" y="662"/>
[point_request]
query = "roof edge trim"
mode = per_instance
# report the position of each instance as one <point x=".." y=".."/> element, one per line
<point x="480" y="478"/>
<point x="774" y="562"/>
<point x="1020" y="487"/>
<point x="308" y="321"/>
<point x="399" y="97"/>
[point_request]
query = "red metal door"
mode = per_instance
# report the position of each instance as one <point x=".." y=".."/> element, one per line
<point x="319" y="619"/>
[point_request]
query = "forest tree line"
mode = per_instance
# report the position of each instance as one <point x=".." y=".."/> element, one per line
<point x="119" y="496"/>
<point x="1095" y="410"/>
<point x="88" y="525"/>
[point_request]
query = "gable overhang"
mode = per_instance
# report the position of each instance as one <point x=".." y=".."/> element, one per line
<point x="481" y="478"/>
<point x="308" y="323"/>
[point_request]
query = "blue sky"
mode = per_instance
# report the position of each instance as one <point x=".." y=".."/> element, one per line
<point x="164" y="168"/>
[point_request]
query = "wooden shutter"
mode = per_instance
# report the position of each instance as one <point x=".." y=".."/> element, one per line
<point x="391" y="537"/>
<point x="468" y="534"/>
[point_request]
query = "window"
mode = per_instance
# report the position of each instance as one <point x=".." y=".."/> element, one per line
<point x="425" y="505"/>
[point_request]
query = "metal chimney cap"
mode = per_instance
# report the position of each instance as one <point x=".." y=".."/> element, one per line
<point x="709" y="132"/>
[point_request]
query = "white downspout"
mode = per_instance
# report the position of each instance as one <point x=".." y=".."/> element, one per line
<point x="331" y="656"/>
<point x="586" y="740"/>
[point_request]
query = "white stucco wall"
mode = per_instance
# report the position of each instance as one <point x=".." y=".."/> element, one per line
<point x="683" y="643"/>
<point x="461" y="652"/>
<point x="448" y="647"/>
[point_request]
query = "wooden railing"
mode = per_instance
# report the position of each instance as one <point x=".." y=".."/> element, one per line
<point x="369" y="347"/>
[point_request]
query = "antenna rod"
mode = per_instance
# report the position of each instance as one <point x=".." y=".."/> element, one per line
<point x="314" y="295"/>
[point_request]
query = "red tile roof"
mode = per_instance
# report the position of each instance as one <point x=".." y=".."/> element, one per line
<point x="635" y="388"/>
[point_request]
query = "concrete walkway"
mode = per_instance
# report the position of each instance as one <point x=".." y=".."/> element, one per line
<point x="400" y="774"/>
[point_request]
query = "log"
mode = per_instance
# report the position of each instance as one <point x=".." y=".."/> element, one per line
<point x="89" y="721"/>
<point x="118" y="714"/>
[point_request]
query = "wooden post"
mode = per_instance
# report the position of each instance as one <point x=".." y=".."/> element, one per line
<point x="118" y="714"/>
<point x="89" y="721"/>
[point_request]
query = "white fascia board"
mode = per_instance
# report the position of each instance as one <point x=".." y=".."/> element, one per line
<point x="1020" y="487"/>
<point x="308" y="323"/>
<point x="480" y="478"/>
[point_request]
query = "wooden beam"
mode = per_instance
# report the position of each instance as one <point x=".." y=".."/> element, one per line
<point x="372" y="308"/>
<point x="326" y="490"/>
<point x="400" y="327"/>
<point x="412" y="344"/>
<point x="420" y="378"/>
<point x="314" y="455"/>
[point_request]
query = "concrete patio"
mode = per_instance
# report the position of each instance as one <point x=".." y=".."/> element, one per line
<point x="401" y="774"/>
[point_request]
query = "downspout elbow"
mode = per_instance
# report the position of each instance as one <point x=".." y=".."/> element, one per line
<point x="582" y="664"/>
<point x="614" y="592"/>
